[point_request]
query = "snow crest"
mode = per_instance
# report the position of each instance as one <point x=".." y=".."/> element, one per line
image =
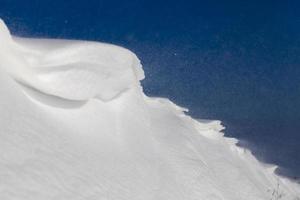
<point x="75" y="70"/>
<point x="75" y="124"/>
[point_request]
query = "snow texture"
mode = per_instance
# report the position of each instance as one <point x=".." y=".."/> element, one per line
<point x="75" y="124"/>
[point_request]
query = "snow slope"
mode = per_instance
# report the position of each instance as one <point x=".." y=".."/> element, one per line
<point x="75" y="124"/>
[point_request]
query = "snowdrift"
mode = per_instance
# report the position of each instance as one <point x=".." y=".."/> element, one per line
<point x="75" y="124"/>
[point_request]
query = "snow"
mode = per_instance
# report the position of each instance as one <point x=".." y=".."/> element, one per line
<point x="75" y="124"/>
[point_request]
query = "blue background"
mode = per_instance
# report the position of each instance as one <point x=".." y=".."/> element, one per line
<point x="237" y="61"/>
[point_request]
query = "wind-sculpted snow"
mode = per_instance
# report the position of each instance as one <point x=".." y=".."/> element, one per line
<point x="70" y="69"/>
<point x="75" y="124"/>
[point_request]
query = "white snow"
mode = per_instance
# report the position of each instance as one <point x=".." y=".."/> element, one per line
<point x="75" y="124"/>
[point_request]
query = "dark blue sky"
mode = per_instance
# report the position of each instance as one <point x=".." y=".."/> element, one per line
<point x="237" y="61"/>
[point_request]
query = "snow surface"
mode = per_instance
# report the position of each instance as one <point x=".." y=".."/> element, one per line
<point x="75" y="124"/>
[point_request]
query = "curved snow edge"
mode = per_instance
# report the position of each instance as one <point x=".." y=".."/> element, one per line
<point x="72" y="70"/>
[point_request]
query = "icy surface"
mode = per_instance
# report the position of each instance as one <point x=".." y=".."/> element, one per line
<point x="75" y="124"/>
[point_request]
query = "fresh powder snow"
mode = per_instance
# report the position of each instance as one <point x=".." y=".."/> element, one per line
<point x="75" y="124"/>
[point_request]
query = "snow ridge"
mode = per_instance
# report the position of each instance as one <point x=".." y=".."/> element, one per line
<point x="75" y="124"/>
<point x="74" y="71"/>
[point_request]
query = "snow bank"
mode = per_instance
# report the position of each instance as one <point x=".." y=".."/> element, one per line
<point x="75" y="124"/>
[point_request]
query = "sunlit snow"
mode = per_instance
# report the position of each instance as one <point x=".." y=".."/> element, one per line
<point x="75" y="124"/>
